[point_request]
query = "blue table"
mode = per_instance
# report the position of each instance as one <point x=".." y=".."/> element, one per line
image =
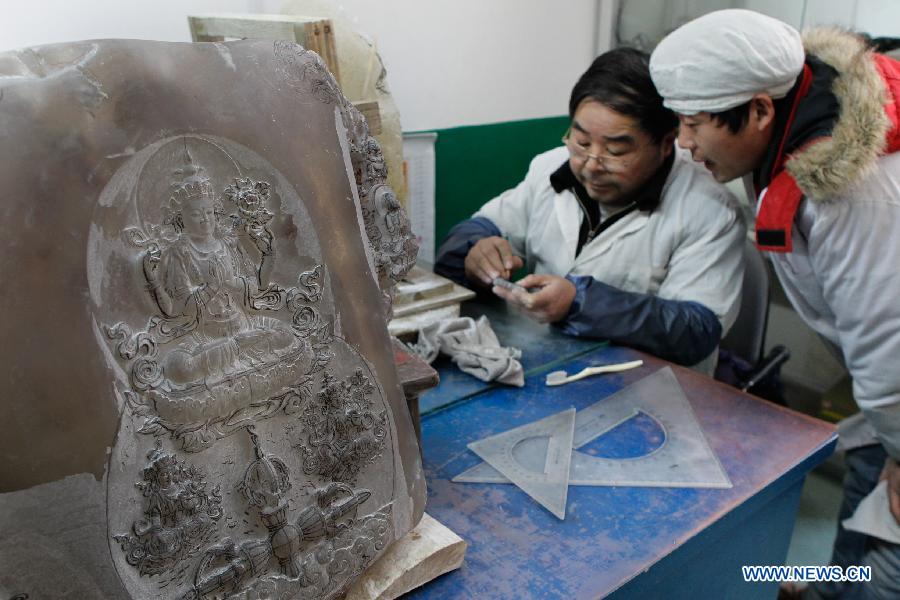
<point x="543" y="348"/>
<point x="623" y="542"/>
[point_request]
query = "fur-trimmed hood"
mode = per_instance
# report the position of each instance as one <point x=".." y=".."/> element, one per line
<point x="830" y="166"/>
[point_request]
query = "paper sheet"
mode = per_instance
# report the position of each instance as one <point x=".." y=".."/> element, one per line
<point x="418" y="152"/>
<point x="873" y="516"/>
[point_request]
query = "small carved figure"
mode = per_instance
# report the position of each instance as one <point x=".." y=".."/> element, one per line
<point x="178" y="516"/>
<point x="341" y="433"/>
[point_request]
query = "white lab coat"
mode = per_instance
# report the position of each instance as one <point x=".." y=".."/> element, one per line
<point x="689" y="248"/>
<point x="842" y="275"/>
<point x="843" y="279"/>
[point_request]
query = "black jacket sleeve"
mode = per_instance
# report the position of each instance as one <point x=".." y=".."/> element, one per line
<point x="679" y="331"/>
<point x="451" y="256"/>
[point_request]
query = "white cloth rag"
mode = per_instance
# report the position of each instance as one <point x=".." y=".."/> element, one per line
<point x="474" y="347"/>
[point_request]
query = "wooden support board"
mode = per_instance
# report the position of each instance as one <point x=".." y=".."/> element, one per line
<point x="313" y="33"/>
<point x="372" y="113"/>
<point x="416" y="377"/>
<point x="426" y="552"/>
<point x="422" y="290"/>
<point x="407" y="328"/>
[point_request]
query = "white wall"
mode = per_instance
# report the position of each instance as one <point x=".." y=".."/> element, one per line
<point x="875" y="17"/>
<point x="644" y="22"/>
<point x="466" y="62"/>
<point x="35" y="22"/>
<point x="450" y="62"/>
<point x="879" y="18"/>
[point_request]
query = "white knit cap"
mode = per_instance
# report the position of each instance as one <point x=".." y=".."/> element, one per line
<point x="722" y="59"/>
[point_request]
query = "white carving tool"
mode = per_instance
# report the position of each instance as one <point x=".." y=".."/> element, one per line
<point x="561" y="377"/>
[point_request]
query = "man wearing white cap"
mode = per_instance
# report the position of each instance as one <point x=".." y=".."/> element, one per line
<point x="812" y="124"/>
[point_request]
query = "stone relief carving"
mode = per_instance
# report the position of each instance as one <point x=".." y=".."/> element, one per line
<point x="213" y="357"/>
<point x="234" y="428"/>
<point x="341" y="432"/>
<point x="394" y="247"/>
<point x="179" y="514"/>
<point x="305" y="72"/>
<point x="227" y="347"/>
<point x="319" y="550"/>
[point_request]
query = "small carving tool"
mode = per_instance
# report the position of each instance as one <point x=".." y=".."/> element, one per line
<point x="506" y="283"/>
<point x="561" y="377"/>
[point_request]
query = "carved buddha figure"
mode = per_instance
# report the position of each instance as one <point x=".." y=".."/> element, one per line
<point x="178" y="513"/>
<point x="203" y="281"/>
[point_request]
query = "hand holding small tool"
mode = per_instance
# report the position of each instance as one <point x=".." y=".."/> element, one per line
<point x="544" y="298"/>
<point x="490" y="258"/>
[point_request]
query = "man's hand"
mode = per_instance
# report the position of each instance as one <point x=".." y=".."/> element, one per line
<point x="491" y="257"/>
<point x="549" y="304"/>
<point x="891" y="473"/>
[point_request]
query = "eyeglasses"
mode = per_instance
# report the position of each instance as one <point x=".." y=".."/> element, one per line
<point x="609" y="162"/>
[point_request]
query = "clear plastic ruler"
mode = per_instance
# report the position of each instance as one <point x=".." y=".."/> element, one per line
<point x="684" y="459"/>
<point x="535" y="457"/>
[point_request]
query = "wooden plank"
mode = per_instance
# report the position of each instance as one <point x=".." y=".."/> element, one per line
<point x="313" y="33"/>
<point x="455" y="296"/>
<point x="419" y="284"/>
<point x="416" y="376"/>
<point x="319" y="37"/>
<point x="422" y="290"/>
<point x="407" y="328"/>
<point x="239" y="27"/>
<point x="372" y="112"/>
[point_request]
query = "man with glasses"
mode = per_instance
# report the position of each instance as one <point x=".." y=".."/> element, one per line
<point x="624" y="237"/>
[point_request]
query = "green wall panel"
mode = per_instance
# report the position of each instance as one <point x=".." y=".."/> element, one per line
<point x="473" y="164"/>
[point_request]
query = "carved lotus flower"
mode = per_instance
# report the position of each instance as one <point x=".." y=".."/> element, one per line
<point x="250" y="197"/>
